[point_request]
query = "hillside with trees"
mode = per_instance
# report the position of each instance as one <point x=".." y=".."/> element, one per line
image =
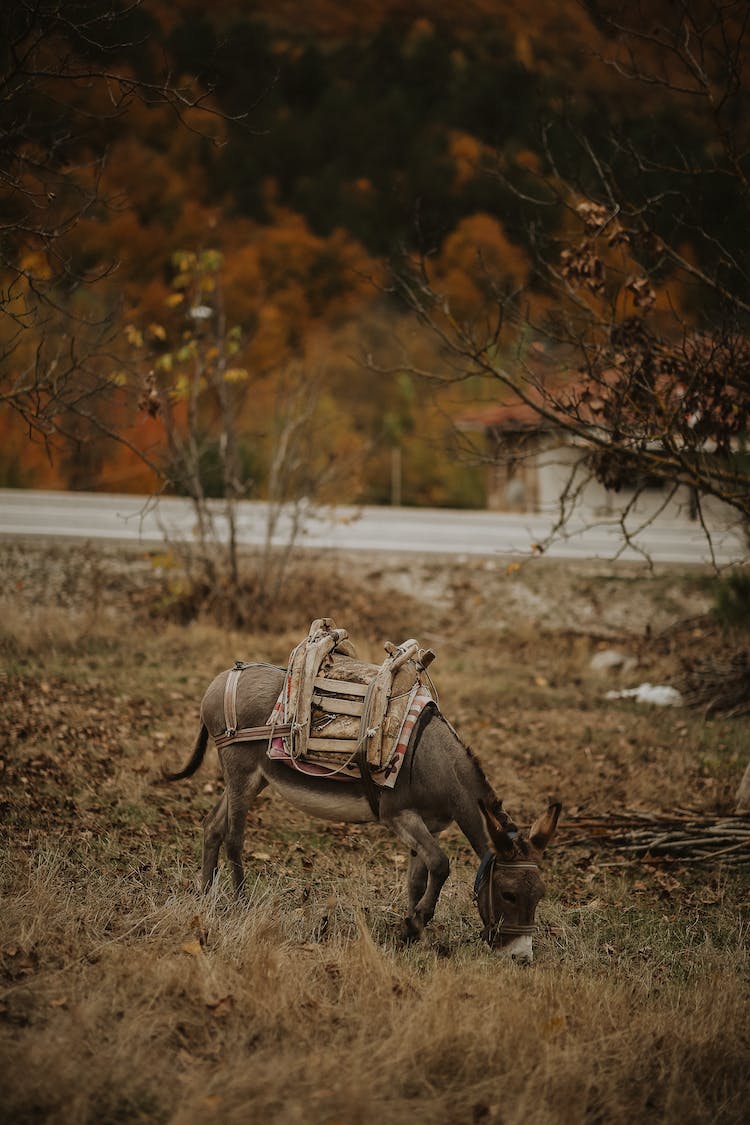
<point x="211" y="209"/>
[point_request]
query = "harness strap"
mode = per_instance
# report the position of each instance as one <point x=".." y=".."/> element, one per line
<point x="230" y="698"/>
<point x="483" y="868"/>
<point x="516" y="866"/>
<point x="490" y="861"/>
<point x="502" y="927"/>
<point x="244" y="734"/>
<point x="252" y="734"/>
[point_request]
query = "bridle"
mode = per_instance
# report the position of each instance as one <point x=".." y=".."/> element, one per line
<point x="486" y="871"/>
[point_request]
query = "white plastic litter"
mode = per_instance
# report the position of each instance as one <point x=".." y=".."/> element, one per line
<point x="660" y="695"/>
<point x="611" y="660"/>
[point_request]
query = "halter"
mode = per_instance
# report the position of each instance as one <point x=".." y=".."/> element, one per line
<point x="486" y="871"/>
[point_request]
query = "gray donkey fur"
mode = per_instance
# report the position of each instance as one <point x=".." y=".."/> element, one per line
<point x="439" y="782"/>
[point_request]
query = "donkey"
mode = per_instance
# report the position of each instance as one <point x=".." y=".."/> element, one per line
<point x="440" y="782"/>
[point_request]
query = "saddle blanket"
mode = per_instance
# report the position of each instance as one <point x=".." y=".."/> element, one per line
<point x="348" y="771"/>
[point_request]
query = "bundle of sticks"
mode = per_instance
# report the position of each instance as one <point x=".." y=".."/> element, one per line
<point x="718" y="684"/>
<point x="689" y="837"/>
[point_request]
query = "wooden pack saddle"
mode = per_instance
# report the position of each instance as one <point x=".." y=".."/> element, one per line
<point x="336" y="706"/>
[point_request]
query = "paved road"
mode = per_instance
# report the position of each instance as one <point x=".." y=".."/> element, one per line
<point x="139" y="521"/>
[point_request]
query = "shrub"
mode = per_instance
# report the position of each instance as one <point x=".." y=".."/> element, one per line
<point x="732" y="599"/>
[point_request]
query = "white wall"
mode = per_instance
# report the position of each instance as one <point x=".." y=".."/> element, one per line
<point x="555" y="468"/>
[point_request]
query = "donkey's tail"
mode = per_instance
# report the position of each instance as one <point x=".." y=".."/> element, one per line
<point x="199" y="751"/>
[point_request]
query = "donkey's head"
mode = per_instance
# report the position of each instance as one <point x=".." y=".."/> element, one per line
<point x="509" y="885"/>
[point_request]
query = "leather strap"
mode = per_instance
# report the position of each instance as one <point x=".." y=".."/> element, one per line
<point x="230" y="699"/>
<point x="252" y="734"/>
<point x="244" y="734"/>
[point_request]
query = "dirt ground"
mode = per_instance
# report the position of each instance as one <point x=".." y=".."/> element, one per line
<point x="180" y="1009"/>
<point x="517" y="648"/>
<point x="594" y="598"/>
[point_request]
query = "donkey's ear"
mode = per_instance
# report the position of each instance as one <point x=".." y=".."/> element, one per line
<point x="500" y="838"/>
<point x="543" y="829"/>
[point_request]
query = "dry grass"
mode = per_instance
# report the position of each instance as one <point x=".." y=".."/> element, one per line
<point x="126" y="997"/>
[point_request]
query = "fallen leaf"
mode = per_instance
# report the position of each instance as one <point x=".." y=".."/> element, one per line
<point x="198" y="926"/>
<point x="220" y="1009"/>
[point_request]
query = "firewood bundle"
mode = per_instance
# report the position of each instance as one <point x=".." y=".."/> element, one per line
<point x="679" y="835"/>
<point x="719" y="684"/>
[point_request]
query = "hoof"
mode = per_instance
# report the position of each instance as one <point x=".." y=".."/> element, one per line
<point x="411" y="929"/>
<point x="209" y="882"/>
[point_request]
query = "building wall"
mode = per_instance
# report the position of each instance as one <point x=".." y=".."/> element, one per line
<point x="514" y="486"/>
<point x="538" y="481"/>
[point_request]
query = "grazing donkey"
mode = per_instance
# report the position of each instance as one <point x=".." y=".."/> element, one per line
<point x="440" y="781"/>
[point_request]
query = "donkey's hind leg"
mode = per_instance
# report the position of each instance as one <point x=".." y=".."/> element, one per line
<point x="242" y="789"/>
<point x="214" y="834"/>
<point x="225" y="824"/>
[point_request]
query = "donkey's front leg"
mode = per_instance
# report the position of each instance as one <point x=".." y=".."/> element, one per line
<point x="429" y="867"/>
<point x="416" y="880"/>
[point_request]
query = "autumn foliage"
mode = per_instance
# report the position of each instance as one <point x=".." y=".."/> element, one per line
<point x="307" y="151"/>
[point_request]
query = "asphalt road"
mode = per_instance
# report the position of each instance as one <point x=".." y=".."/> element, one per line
<point x="138" y="521"/>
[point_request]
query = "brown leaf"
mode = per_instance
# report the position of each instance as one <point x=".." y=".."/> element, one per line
<point x="220" y="1009"/>
<point x="199" y="928"/>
